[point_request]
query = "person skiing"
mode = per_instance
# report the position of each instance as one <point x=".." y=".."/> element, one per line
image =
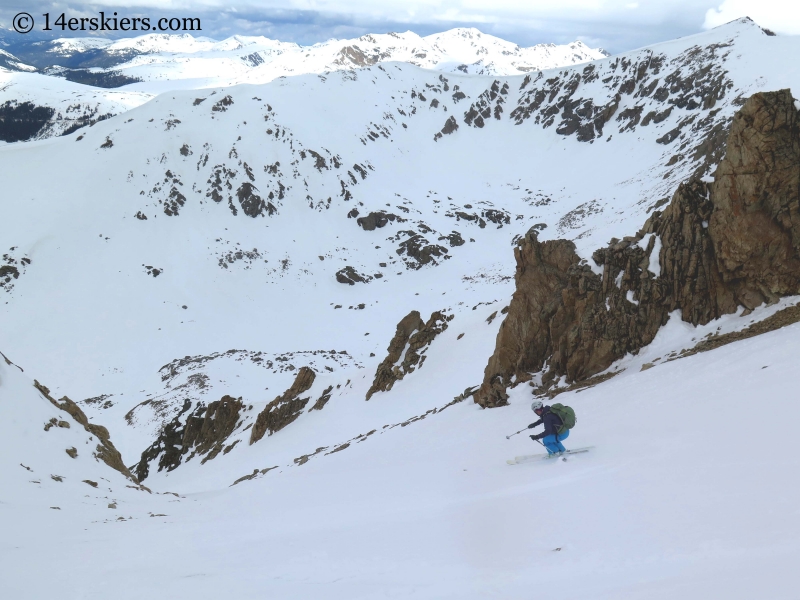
<point x="557" y="420"/>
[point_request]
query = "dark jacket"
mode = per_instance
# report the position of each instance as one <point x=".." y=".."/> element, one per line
<point x="552" y="423"/>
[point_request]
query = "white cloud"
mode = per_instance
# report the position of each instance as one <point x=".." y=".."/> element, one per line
<point x="781" y="16"/>
<point x="495" y="11"/>
<point x="616" y="25"/>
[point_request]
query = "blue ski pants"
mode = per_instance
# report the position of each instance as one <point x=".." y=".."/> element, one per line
<point x="553" y="442"/>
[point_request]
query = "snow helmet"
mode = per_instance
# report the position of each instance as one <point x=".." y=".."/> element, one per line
<point x="537" y="404"/>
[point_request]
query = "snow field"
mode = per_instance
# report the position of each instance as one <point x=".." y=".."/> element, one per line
<point x="688" y="492"/>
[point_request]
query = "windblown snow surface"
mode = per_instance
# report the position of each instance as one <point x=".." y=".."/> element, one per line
<point x="189" y="249"/>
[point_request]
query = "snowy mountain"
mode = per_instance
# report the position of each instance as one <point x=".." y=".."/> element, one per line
<point x="288" y="302"/>
<point x="256" y="59"/>
<point x="9" y="62"/>
<point x="158" y="63"/>
<point x="35" y="106"/>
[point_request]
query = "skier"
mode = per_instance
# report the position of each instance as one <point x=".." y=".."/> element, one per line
<point x="558" y="420"/>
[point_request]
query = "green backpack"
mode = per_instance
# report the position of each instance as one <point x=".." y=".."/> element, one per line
<point x="567" y="416"/>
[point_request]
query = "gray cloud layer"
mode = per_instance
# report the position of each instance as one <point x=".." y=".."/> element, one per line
<point x="616" y="25"/>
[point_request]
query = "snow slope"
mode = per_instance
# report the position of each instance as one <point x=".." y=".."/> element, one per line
<point x="73" y="105"/>
<point x="189" y="249"/>
<point x="39" y="474"/>
<point x="682" y="495"/>
<point x="9" y="62"/>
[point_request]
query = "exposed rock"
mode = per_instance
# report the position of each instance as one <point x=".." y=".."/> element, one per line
<point x="221" y="105"/>
<point x="377" y="219"/>
<point x="733" y="242"/>
<point x="454" y="238"/>
<point x="105" y="450"/>
<point x="253" y="475"/>
<point x="169" y="442"/>
<point x="301" y="460"/>
<point x="204" y="432"/>
<point x="451" y="125"/>
<point x="416" y="251"/>
<point x="413" y="336"/>
<point x="350" y="276"/>
<point x="782" y="318"/>
<point x="11" y="268"/>
<point x="384" y="376"/>
<point x="252" y="204"/>
<point x="323" y="399"/>
<point x="285" y="408"/>
<point x="56" y="423"/>
<point x="755" y="225"/>
<point x="207" y="435"/>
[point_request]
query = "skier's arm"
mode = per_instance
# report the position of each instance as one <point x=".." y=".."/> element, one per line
<point x="532" y="425"/>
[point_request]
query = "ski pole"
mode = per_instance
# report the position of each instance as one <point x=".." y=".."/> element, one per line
<point x="508" y="437"/>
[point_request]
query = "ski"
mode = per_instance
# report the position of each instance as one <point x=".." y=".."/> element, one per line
<point x="533" y="457"/>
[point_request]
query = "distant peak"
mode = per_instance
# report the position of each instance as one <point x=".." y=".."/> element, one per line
<point x="744" y="22"/>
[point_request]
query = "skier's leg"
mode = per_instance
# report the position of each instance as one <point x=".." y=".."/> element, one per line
<point x="550" y="443"/>
<point x="559" y="438"/>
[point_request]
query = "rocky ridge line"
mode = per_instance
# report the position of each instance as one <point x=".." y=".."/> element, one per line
<point x="105" y="450"/>
<point x="406" y="349"/>
<point x="285" y="408"/>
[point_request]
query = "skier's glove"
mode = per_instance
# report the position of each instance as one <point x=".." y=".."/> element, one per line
<point x="532" y="425"/>
<point x="535" y="438"/>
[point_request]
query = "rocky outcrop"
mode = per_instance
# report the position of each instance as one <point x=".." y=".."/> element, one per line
<point x="205" y="431"/>
<point x="105" y="450"/>
<point x="755" y="225"/>
<point x="377" y="220"/>
<point x="323" y="399"/>
<point x="208" y="433"/>
<point x="168" y="445"/>
<point x="416" y="251"/>
<point x="406" y="350"/>
<point x="718" y="246"/>
<point x="285" y="408"/>
<point x="350" y="276"/>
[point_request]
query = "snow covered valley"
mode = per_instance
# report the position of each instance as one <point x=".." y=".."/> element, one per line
<point x="214" y="277"/>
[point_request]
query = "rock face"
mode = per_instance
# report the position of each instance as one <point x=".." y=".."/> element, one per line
<point x="414" y="336"/>
<point x="207" y="433"/>
<point x="715" y="247"/>
<point x="204" y="432"/>
<point x="756" y="222"/>
<point x="285" y="408"/>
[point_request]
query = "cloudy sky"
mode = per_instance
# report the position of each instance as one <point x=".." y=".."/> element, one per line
<point x="615" y="25"/>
